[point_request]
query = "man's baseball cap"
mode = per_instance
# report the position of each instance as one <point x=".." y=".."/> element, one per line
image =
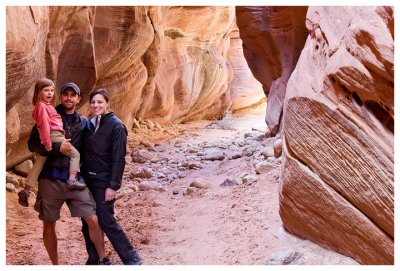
<point x="71" y="85"/>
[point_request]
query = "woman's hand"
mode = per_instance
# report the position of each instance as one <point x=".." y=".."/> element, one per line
<point x="110" y="194"/>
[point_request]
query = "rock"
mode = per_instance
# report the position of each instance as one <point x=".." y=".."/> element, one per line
<point x="160" y="175"/>
<point x="159" y="127"/>
<point x="255" y="135"/>
<point x="133" y="187"/>
<point x="278" y="148"/>
<point x="143" y="173"/>
<point x="264" y="167"/>
<point x="120" y="194"/>
<point x="251" y="142"/>
<point x="228" y="182"/>
<point x="175" y="191"/>
<point x="149" y="124"/>
<point x="190" y="190"/>
<point x="248" y="179"/>
<point x="160" y="148"/>
<point x="192" y="165"/>
<point x="182" y="175"/>
<point x="248" y="151"/>
<point x="154" y="160"/>
<point x="193" y="150"/>
<point x="268" y="152"/>
<point x="141" y="156"/>
<point x="200" y="183"/>
<point x="146" y="143"/>
<point x="178" y="143"/>
<point x="284" y="257"/>
<point x="135" y="124"/>
<point x="268" y="142"/>
<point x="236" y="155"/>
<point x="256" y="129"/>
<point x="239" y="179"/>
<point x="21" y="182"/>
<point x="150" y="185"/>
<point x="239" y="143"/>
<point x="24" y="168"/>
<point x="213" y="154"/>
<point x="10" y="187"/>
<point x="12" y="179"/>
<point x="272" y="159"/>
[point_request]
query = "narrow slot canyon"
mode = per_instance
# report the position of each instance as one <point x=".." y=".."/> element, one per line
<point x="256" y="135"/>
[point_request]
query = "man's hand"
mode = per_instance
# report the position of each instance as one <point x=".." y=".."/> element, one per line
<point x="66" y="147"/>
<point x="110" y="194"/>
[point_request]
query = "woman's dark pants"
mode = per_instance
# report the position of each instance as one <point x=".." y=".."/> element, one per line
<point x="113" y="231"/>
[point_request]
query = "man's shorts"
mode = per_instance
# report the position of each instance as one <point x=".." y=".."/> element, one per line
<point x="53" y="193"/>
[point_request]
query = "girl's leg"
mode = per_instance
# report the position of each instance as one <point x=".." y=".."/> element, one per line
<point x="31" y="179"/>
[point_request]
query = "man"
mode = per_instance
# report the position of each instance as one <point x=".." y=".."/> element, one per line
<point x="52" y="190"/>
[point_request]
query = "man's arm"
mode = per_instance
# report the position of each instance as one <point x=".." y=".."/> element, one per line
<point x="34" y="145"/>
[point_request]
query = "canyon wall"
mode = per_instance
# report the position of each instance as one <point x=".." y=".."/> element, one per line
<point x="273" y="38"/>
<point x="337" y="182"/>
<point x="338" y="175"/>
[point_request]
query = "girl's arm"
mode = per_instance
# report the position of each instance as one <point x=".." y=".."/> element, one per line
<point x="42" y="119"/>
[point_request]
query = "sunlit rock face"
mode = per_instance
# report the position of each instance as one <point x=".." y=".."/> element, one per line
<point x="337" y="181"/>
<point x="273" y="38"/>
<point x="166" y="64"/>
<point x="193" y="75"/>
<point x="245" y="90"/>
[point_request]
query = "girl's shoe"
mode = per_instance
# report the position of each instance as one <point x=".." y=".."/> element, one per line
<point x="23" y="196"/>
<point x="75" y="184"/>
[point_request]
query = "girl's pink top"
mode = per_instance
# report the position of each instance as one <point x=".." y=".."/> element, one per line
<point x="47" y="120"/>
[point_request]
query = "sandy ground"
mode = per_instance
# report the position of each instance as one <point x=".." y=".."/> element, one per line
<point x="218" y="226"/>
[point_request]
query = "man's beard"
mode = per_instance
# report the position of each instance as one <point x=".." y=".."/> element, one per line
<point x="69" y="107"/>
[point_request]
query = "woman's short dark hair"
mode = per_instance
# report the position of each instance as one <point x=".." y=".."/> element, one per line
<point x="102" y="91"/>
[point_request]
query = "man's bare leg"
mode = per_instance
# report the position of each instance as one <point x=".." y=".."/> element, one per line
<point x="96" y="235"/>
<point x="50" y="241"/>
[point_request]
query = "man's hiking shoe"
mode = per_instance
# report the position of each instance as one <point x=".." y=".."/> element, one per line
<point x="74" y="184"/>
<point x="23" y="196"/>
<point x="105" y="261"/>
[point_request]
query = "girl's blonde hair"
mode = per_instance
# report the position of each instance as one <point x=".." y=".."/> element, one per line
<point x="40" y="84"/>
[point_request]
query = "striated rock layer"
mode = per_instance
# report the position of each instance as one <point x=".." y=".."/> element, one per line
<point x="338" y="173"/>
<point x="160" y="63"/>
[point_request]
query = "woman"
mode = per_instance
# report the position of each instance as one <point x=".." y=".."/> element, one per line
<point x="103" y="155"/>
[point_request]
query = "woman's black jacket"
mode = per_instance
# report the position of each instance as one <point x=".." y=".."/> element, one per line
<point x="103" y="153"/>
